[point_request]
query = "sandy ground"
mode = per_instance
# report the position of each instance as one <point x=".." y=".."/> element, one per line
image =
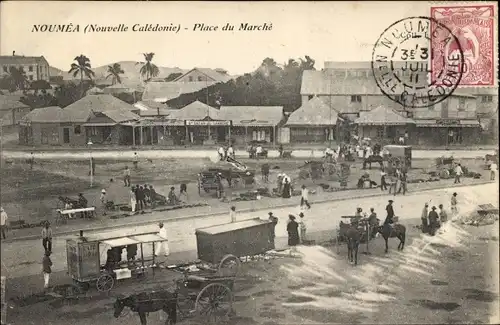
<point x="450" y="278"/>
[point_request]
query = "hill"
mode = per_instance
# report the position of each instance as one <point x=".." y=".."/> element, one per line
<point x="131" y="69"/>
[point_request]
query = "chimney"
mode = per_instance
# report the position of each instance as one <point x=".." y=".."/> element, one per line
<point x="13" y="53"/>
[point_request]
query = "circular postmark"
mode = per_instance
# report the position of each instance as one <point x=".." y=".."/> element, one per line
<point x="403" y="56"/>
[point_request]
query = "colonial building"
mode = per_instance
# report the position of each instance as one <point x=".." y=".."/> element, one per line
<point x="11" y="111"/>
<point x="313" y="122"/>
<point x="350" y="89"/>
<point x="253" y="123"/>
<point x="383" y="123"/>
<point x="164" y="91"/>
<point x="35" y="67"/>
<point x="204" y="74"/>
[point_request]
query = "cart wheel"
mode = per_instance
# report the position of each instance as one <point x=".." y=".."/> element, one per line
<point x="229" y="265"/>
<point x="215" y="302"/>
<point x="105" y="283"/>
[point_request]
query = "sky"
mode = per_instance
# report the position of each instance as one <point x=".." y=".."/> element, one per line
<point x="326" y="31"/>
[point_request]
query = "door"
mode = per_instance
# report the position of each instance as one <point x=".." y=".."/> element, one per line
<point x="66" y="135"/>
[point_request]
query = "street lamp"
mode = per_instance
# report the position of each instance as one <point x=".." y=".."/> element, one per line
<point x="91" y="171"/>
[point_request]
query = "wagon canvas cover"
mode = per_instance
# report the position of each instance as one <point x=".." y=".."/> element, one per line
<point x="243" y="238"/>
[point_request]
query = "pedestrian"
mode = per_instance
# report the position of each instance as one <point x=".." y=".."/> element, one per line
<point x="383" y="182"/>
<point x="372" y="223"/>
<point x="46" y="269"/>
<point x="32" y="160"/>
<point x="232" y="214"/>
<point x="287" y="188"/>
<point x="274" y="222"/>
<point x="293" y="232"/>
<point x="493" y="170"/>
<point x="3" y="222"/>
<point x="221" y="153"/>
<point x="230" y="152"/>
<point x="258" y="151"/>
<point x="458" y="173"/>
<point x="103" y="197"/>
<point x="47" y="237"/>
<point x="403" y="178"/>
<point x="433" y="221"/>
<point x="147" y="197"/>
<point x="126" y="176"/>
<point x="280" y="151"/>
<point x="183" y="196"/>
<point x="152" y="195"/>
<point x="443" y="216"/>
<point x="92" y="167"/>
<point x="82" y="202"/>
<point x="305" y="197"/>
<point x="164" y="244"/>
<point x="303" y="228"/>
<point x="424" y="219"/>
<point x="133" y="200"/>
<point x="136" y="161"/>
<point x="280" y="183"/>
<point x="172" y="197"/>
<point x="265" y="172"/>
<point x="140" y="197"/>
<point x="454" y="209"/>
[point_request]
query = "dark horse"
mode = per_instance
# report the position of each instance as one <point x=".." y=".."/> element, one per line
<point x="396" y="231"/>
<point x="352" y="236"/>
<point x="147" y="302"/>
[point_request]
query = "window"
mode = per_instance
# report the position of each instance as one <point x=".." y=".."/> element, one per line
<point x="200" y="78"/>
<point x="190" y="78"/>
<point x="380" y="132"/>
<point x="461" y="104"/>
<point x="355" y="99"/>
<point x="259" y="135"/>
<point x="484" y="99"/>
<point x="30" y="68"/>
<point x="31" y="78"/>
<point x="44" y="136"/>
<point x="78" y="129"/>
<point x="5" y="68"/>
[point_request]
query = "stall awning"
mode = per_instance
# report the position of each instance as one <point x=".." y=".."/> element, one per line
<point x="120" y="242"/>
<point x="446" y="123"/>
<point x="150" y="238"/>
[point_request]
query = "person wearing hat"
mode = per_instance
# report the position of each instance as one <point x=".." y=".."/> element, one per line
<point x="454" y="209"/>
<point x="424" y="218"/>
<point x="293" y="231"/>
<point x="3" y="222"/>
<point x="433" y="221"/>
<point x="303" y="228"/>
<point x="46" y="269"/>
<point x="274" y="221"/>
<point x="47" y="237"/>
<point x="163" y="245"/>
<point x="390" y="213"/>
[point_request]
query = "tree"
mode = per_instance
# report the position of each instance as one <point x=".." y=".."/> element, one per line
<point x="173" y="76"/>
<point x="38" y="85"/>
<point x="15" y="80"/>
<point x="83" y="68"/>
<point x="70" y="92"/>
<point x="148" y="70"/>
<point x="114" y="71"/>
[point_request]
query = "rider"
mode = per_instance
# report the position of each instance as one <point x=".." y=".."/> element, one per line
<point x="357" y="216"/>
<point x="390" y="214"/>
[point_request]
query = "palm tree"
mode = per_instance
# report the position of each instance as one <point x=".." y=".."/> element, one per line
<point x="114" y="72"/>
<point x="82" y="67"/>
<point x="17" y="79"/>
<point x="149" y="70"/>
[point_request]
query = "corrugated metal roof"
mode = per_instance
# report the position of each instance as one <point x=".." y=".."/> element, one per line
<point x="253" y="115"/>
<point x="121" y="115"/>
<point x="19" y="59"/>
<point x="211" y="73"/>
<point x="165" y="91"/>
<point x="146" y="105"/>
<point x="99" y="103"/>
<point x="196" y="111"/>
<point x="382" y="116"/>
<point x="51" y="114"/>
<point x="313" y="112"/>
<point x="154" y="112"/>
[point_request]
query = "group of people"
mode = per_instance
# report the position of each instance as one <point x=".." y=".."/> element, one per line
<point x="284" y="185"/>
<point x="141" y="196"/>
<point x="225" y="152"/>
<point x="293" y="227"/>
<point x="348" y="152"/>
<point x="432" y="220"/>
<point x="397" y="185"/>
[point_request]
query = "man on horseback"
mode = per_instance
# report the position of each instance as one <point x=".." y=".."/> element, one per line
<point x="357" y="217"/>
<point x="390" y="213"/>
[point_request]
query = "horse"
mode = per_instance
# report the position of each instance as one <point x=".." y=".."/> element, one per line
<point x="147" y="302"/>
<point x="396" y="231"/>
<point x="352" y="235"/>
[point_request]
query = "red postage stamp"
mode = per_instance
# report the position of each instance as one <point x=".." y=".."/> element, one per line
<point x="473" y="28"/>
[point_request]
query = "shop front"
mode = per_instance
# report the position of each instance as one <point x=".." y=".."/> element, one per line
<point x="208" y="131"/>
<point x="447" y="132"/>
